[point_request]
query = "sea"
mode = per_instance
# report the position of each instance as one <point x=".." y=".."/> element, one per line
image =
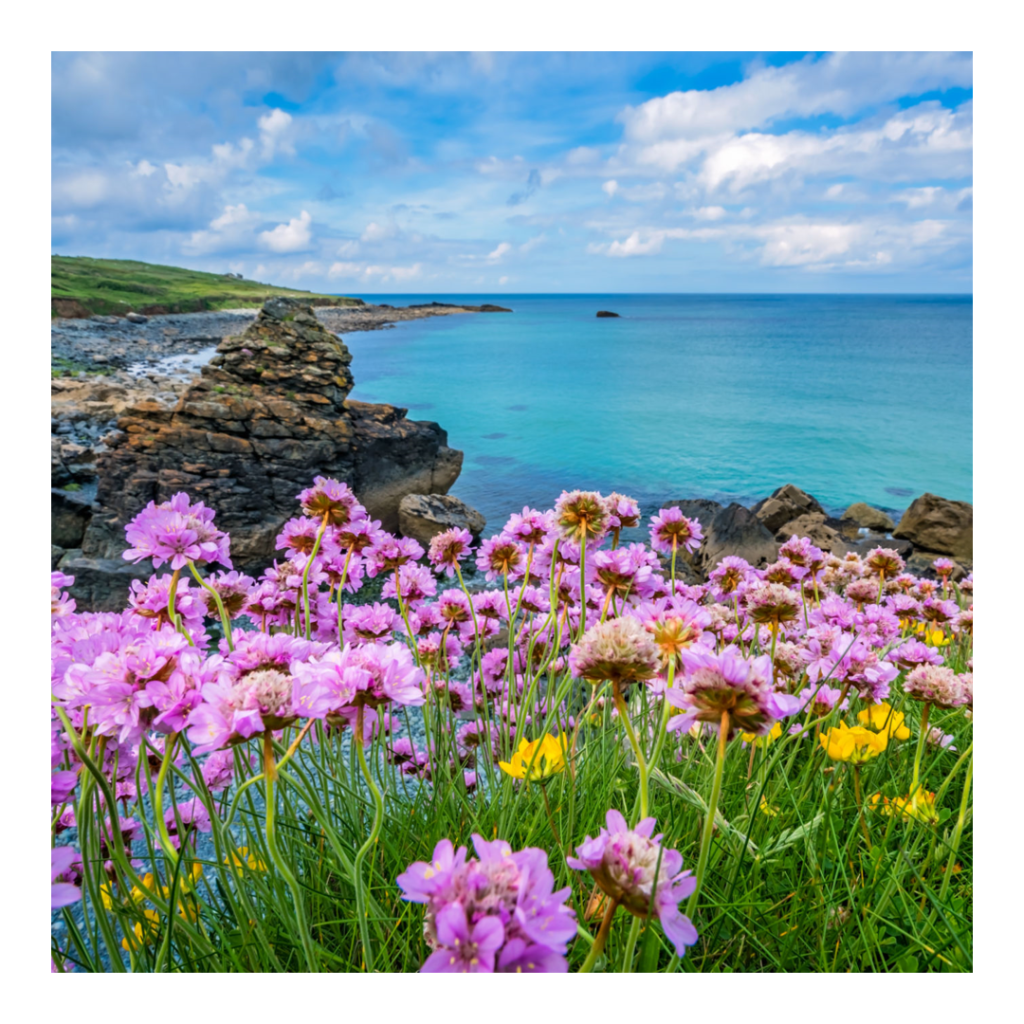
<point x="850" y="397"/>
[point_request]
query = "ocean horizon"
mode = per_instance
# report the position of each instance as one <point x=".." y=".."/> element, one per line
<point x="722" y="396"/>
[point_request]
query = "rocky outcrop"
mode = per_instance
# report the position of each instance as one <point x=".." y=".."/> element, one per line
<point x="423" y="516"/>
<point x="817" y="526"/>
<point x="938" y="524"/>
<point x="783" y="506"/>
<point x="869" y="517"/>
<point x="268" y="413"/>
<point x="606" y="313"/>
<point x="736" y="531"/>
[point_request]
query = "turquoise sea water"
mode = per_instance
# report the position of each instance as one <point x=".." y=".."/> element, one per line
<point x="718" y="396"/>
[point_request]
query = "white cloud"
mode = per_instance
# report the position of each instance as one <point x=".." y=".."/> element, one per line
<point x="275" y="129"/>
<point x="375" y="232"/>
<point x="500" y="251"/>
<point x="144" y="169"/>
<point x="708" y="213"/>
<point x="503" y="279"/>
<point x="610" y="187"/>
<point x="834" y="191"/>
<point x="532" y="243"/>
<point x="350" y="248"/>
<point x="374" y="271"/>
<point x="233" y="229"/>
<point x="582" y="155"/>
<point x="291" y="237"/>
<point x="840" y="83"/>
<point x="344" y="270"/>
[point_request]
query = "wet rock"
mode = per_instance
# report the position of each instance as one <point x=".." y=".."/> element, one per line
<point x="423" y="516"/>
<point x="56" y="554"/>
<point x="869" y="517"/>
<point x="606" y="312"/>
<point x="136" y="318"/>
<point x="938" y="524"/>
<point x="783" y="506"/>
<point x="701" y="509"/>
<point x="737" y="531"/>
<point x="69" y="517"/>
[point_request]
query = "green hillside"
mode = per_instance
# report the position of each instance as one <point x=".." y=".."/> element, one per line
<point x="80" y="286"/>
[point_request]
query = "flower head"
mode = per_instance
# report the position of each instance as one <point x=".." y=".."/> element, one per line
<point x="935" y="685"/>
<point x="496" y="911"/>
<point x="857" y="745"/>
<point x="539" y="760"/>
<point x="671" y="530"/>
<point x="331" y="500"/>
<point x="581" y="516"/>
<point x="620" y="650"/>
<point x="634" y="869"/>
<point x="176" y="532"/>
<point x="448" y="549"/>
<point x="883" y="718"/>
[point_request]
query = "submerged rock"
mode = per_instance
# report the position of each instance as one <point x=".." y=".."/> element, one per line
<point x="423" y="516"/>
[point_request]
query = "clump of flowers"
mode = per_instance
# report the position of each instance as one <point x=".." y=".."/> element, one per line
<point x="178" y="532"/>
<point x="884" y="718"/>
<point x="857" y="745"/>
<point x="496" y="912"/>
<point x="636" y="872"/>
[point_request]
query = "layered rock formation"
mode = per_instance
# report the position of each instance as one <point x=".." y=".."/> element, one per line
<point x="268" y="413"/>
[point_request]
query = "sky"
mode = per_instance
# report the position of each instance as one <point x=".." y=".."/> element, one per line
<point x="491" y="173"/>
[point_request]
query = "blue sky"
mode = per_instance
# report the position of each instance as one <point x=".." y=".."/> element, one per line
<point x="488" y="173"/>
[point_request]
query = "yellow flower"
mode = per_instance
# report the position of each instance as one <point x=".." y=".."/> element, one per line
<point x="145" y="932"/>
<point x="763" y="741"/>
<point x="538" y="760"/>
<point x="242" y="855"/>
<point x="920" y="806"/>
<point x="857" y="745"/>
<point x="881" y="717"/>
<point x="937" y="638"/>
<point x="766" y="808"/>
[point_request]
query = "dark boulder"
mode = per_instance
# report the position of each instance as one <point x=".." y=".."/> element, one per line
<point x="606" y="313"/>
<point x="423" y="516"/>
<point x="938" y="524"/>
<point x="737" y="531"/>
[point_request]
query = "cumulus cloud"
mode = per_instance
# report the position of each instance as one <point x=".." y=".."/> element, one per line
<point x="294" y="236"/>
<point x="232" y="230"/>
<point x="375" y="232"/>
<point x="502" y="248"/>
<point x="375" y="272"/>
<point x="275" y="131"/>
<point x="610" y="187"/>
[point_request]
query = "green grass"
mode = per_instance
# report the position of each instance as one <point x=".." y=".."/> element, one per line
<point x="111" y="287"/>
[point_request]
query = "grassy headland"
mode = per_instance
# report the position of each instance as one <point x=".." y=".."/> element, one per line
<point x="81" y="286"/>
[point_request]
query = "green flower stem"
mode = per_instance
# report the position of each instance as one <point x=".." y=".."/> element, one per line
<point x="634" y="742"/>
<point x="919" y="753"/>
<point x="709" y="823"/>
<point x="305" y="573"/>
<point x="627" y="956"/>
<point x="224" y="620"/>
<point x="378" y="818"/>
<point x="602" y="936"/>
<point x="675" y="545"/>
<point x="958" y="831"/>
<point x="270" y="774"/>
<point x="158" y="800"/>
<point x="341" y="592"/>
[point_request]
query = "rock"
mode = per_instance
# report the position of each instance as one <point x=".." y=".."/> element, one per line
<point x="938" y="524"/>
<point x="869" y="517"/>
<point x="56" y="554"/>
<point x="136" y="318"/>
<point x="266" y="415"/>
<point x="737" y="531"/>
<point x="701" y="509"/>
<point x="606" y="312"/>
<point x="865" y="544"/>
<point x="102" y="584"/>
<point x="919" y="563"/>
<point x="423" y="516"/>
<point x="68" y="519"/>
<point x="489" y="307"/>
<point x="70" y="308"/>
<point x="815" y="526"/>
<point x="783" y="506"/>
